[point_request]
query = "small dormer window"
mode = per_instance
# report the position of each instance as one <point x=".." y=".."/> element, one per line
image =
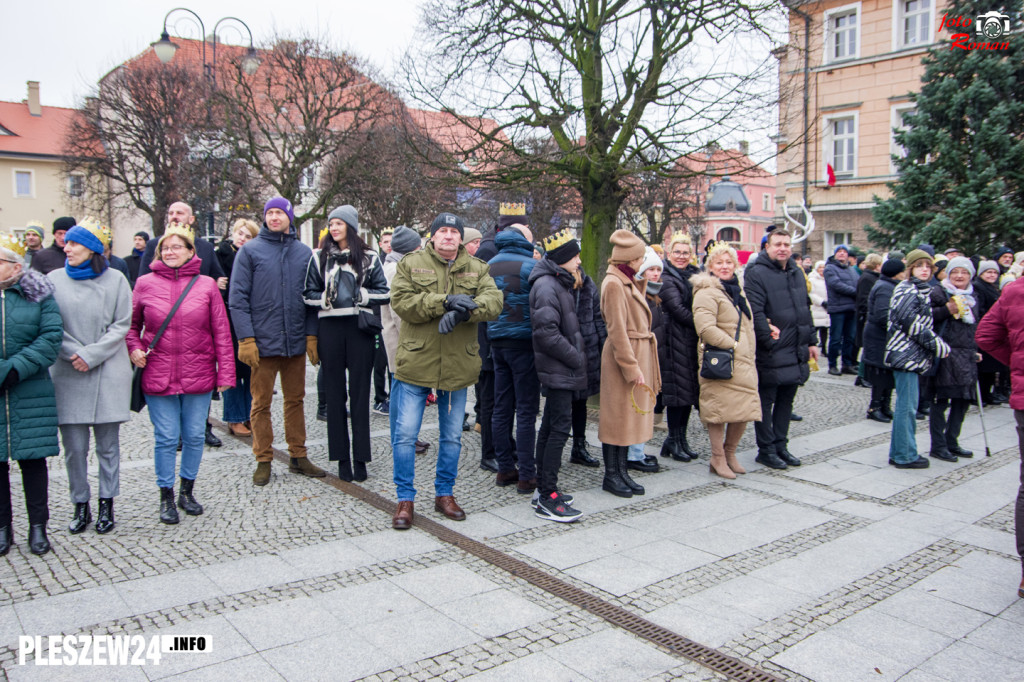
<point x="730" y="205"/>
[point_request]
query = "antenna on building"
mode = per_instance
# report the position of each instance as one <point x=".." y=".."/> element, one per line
<point x="804" y="229"/>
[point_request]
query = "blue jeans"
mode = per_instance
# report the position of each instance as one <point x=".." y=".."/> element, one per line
<point x="636" y="452"/>
<point x="516" y="395"/>
<point x="406" y="415"/>
<point x="238" y="400"/>
<point x="174" y="416"/>
<point x="903" y="444"/>
<point x="841" y="337"/>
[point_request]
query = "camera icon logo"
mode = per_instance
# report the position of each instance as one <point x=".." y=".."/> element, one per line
<point x="992" y="25"/>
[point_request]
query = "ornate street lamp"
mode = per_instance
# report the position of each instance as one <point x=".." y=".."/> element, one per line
<point x="165" y="49"/>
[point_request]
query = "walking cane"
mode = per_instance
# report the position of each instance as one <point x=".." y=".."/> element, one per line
<point x="981" y="413"/>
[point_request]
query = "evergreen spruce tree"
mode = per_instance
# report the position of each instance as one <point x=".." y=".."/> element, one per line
<point x="962" y="180"/>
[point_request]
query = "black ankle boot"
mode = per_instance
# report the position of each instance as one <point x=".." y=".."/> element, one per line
<point x="359" y="471"/>
<point x="684" y="445"/>
<point x="345" y="469"/>
<point x="673" y="446"/>
<point x="580" y="455"/>
<point x="210" y="438"/>
<point x="81" y="519"/>
<point x="186" y="500"/>
<point x="168" y="514"/>
<point x="613" y="482"/>
<point x="37" y="541"/>
<point x="105" y="516"/>
<point x="6" y="539"/>
<point x="623" y="456"/>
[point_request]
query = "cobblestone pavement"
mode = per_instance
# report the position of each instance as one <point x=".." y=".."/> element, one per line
<point x="841" y="569"/>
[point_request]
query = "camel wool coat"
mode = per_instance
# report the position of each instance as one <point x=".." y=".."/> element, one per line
<point x="715" y="317"/>
<point x="630" y="349"/>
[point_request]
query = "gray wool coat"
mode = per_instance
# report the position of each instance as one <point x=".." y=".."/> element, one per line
<point x="97" y="314"/>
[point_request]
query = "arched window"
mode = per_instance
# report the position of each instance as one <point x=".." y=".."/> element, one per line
<point x="728" y="234"/>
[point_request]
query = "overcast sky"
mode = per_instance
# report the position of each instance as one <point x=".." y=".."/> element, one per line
<point x="68" y="45"/>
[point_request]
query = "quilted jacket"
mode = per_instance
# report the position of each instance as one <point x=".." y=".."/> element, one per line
<point x="677" y="356"/>
<point x="911" y="342"/>
<point x="1001" y="333"/>
<point x="31" y="330"/>
<point x="557" y="341"/>
<point x="194" y="355"/>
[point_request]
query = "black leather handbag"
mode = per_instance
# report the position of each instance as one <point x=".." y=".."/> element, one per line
<point x="717" y="362"/>
<point x="138" y="400"/>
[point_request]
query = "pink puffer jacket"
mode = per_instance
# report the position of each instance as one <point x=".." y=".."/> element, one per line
<point x="194" y="355"/>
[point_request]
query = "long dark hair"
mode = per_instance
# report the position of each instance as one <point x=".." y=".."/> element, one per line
<point x="356" y="251"/>
<point x="98" y="262"/>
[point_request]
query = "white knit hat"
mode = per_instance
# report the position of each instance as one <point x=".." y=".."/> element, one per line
<point x="651" y="260"/>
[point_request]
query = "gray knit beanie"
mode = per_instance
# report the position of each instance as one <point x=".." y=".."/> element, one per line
<point x="346" y="213"/>
<point x="405" y="240"/>
<point x="985" y="265"/>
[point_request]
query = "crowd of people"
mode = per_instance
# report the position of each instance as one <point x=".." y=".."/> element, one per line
<point x="182" y="321"/>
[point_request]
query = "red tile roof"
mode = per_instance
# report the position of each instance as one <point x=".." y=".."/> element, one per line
<point x="38" y="135"/>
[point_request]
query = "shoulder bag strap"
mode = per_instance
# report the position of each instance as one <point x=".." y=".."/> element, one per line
<point x="739" y="322"/>
<point x="167" y="321"/>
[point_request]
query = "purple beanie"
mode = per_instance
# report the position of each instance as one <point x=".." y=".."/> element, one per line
<point x="283" y="204"/>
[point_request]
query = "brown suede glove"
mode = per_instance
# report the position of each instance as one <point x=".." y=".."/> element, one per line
<point x="311" y="352"/>
<point x="248" y="352"/>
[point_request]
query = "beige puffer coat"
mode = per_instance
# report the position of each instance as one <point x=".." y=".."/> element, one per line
<point x="715" y="317"/>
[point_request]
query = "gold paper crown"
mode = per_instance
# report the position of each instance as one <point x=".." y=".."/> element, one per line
<point x="722" y="247"/>
<point x="560" y="238"/>
<point x="387" y="230"/>
<point x="323" y="233"/>
<point x="101" y="232"/>
<point x="511" y="209"/>
<point x="12" y="243"/>
<point x="680" y="237"/>
<point x="183" y="231"/>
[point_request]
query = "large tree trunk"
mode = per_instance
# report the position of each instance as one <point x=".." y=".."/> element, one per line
<point x="601" y="203"/>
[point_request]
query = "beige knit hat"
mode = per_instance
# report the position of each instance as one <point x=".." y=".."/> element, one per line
<point x="626" y="246"/>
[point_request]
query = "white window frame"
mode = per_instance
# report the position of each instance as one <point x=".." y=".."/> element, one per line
<point x="31" y="182"/>
<point x="831" y="241"/>
<point x="766" y="201"/>
<point x="898" y="112"/>
<point x="829" y="150"/>
<point x="81" y="178"/>
<point x="830" y="37"/>
<point x="898" y="18"/>
<point x="307" y="181"/>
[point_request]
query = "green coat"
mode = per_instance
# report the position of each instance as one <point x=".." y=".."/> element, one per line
<point x="31" y="331"/>
<point x="423" y="280"/>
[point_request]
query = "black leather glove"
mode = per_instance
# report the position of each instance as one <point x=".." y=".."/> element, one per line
<point x="460" y="302"/>
<point x="450" y="319"/>
<point x="10" y="381"/>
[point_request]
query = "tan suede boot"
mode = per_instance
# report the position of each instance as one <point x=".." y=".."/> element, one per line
<point x="733" y="433"/>
<point x="718" y="463"/>
<point x="262" y="474"/>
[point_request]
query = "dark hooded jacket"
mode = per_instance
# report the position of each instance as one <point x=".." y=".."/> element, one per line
<point x="877" y="321"/>
<point x="780" y="295"/>
<point x="841" y="284"/>
<point x="265" y="300"/>
<point x="987" y="295"/>
<point x="677" y="355"/>
<point x="49" y="259"/>
<point x="511" y="272"/>
<point x="559" y="353"/>
<point x="588" y="312"/>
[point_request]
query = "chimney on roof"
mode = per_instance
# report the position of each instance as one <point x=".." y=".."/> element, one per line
<point x="744" y="147"/>
<point x="33" y="99"/>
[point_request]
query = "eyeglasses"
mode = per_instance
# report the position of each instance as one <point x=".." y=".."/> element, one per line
<point x="173" y="247"/>
<point x="679" y="253"/>
<point x="14" y="262"/>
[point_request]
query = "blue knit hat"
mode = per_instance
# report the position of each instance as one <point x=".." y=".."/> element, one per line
<point x="842" y="247"/>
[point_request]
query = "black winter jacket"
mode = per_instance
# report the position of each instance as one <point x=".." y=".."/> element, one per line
<point x="677" y="354"/>
<point x="877" y="320"/>
<point x="588" y="312"/>
<point x="780" y="295"/>
<point x="987" y="295"/>
<point x="957" y="374"/>
<point x="557" y="342"/>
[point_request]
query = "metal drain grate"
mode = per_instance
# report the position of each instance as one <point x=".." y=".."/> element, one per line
<point x="713" y="659"/>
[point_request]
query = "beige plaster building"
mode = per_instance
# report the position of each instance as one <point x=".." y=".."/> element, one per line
<point x="864" y="59"/>
<point x="33" y="183"/>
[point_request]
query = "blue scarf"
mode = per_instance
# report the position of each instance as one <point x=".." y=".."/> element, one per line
<point x="84" y="271"/>
<point x="138" y="252"/>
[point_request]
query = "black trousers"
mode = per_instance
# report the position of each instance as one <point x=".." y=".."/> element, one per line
<point x="772" y="432"/>
<point x="35" y="482"/>
<point x="945" y="431"/>
<point x="343" y="348"/>
<point x="579" y="418"/>
<point x="678" y="417"/>
<point x="1018" y="515"/>
<point x="551" y="439"/>
<point x="380" y="371"/>
<point x="485" y="412"/>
